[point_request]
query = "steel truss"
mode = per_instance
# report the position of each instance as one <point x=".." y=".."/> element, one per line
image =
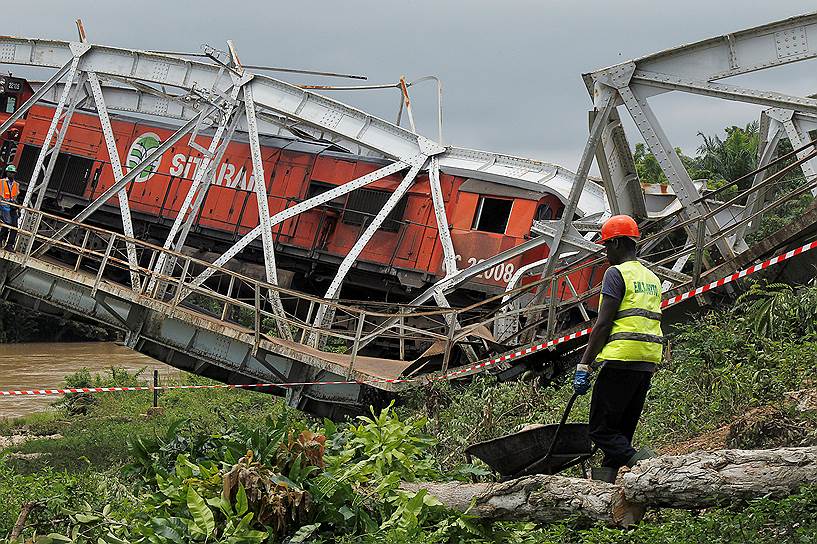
<point x="695" y="68"/>
<point x="225" y="97"/>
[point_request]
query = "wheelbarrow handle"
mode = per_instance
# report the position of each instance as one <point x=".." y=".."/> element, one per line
<point x="559" y="427"/>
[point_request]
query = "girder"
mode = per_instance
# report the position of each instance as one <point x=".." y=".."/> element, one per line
<point x="215" y="100"/>
<point x="749" y="50"/>
<point x="116" y="167"/>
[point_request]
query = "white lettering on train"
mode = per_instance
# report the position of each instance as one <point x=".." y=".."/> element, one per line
<point x="177" y="164"/>
<point x="183" y="166"/>
<point x="503" y="272"/>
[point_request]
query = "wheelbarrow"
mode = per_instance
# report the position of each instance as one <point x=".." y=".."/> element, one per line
<point x="544" y="449"/>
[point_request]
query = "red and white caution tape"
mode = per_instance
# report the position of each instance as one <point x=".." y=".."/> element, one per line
<point x="69" y="390"/>
<point x="478" y="367"/>
<point x="168" y="388"/>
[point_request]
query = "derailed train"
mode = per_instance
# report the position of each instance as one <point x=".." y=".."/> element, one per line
<point x="485" y="216"/>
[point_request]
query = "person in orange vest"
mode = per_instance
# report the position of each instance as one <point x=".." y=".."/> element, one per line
<point x="9" y="191"/>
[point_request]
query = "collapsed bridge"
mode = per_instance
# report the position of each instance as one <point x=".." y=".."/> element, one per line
<point x="216" y="216"/>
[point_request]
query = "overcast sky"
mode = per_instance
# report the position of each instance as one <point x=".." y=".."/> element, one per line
<point x="511" y="69"/>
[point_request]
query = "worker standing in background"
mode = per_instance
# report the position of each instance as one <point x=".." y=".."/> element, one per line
<point x="9" y="191"/>
<point x="625" y="345"/>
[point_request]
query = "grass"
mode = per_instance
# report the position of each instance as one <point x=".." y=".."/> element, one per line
<point x="98" y="436"/>
<point x="721" y="367"/>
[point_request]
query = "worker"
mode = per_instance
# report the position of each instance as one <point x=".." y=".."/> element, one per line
<point x="9" y="191"/>
<point x="625" y="346"/>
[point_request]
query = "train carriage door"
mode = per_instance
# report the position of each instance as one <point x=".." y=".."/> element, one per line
<point x="290" y="175"/>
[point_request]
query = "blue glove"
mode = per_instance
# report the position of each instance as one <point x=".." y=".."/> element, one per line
<point x="581" y="382"/>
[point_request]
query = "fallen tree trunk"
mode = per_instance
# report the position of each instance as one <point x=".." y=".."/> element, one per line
<point x="538" y="497"/>
<point x="696" y="480"/>
<point x="702" y="479"/>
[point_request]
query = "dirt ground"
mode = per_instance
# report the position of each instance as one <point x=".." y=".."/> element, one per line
<point x="792" y="424"/>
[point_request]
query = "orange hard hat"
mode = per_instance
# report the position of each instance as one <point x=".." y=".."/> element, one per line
<point x="618" y="226"/>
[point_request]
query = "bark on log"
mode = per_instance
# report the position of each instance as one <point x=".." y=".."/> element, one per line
<point x="696" y="480"/>
<point x="702" y="479"/>
<point x="539" y="498"/>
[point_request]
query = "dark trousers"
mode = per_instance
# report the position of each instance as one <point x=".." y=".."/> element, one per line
<point x="615" y="407"/>
<point x="9" y="216"/>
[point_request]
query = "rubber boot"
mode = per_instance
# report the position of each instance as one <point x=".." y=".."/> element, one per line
<point x="644" y="453"/>
<point x="604" y="474"/>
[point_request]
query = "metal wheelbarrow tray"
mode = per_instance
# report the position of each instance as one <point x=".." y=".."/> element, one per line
<point x="541" y="449"/>
<point x="526" y="452"/>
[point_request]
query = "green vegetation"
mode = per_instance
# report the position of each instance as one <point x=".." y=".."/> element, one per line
<point x="717" y="160"/>
<point x="238" y="466"/>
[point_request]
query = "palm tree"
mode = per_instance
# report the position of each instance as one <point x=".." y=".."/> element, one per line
<point x="733" y="157"/>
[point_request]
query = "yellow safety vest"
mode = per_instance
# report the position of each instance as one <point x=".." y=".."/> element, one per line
<point x="636" y="334"/>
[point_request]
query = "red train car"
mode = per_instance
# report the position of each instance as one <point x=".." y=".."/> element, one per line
<point x="404" y="255"/>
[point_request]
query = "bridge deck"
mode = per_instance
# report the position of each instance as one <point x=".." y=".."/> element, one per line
<point x="366" y="369"/>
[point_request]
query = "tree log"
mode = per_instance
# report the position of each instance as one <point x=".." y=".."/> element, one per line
<point x="539" y="498"/>
<point x="702" y="479"/>
<point x="696" y="480"/>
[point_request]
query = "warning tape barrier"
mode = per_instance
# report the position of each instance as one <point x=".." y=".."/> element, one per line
<point x="478" y="367"/>
<point x="67" y="390"/>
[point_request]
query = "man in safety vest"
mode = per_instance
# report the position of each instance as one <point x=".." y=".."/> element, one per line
<point x="9" y="191"/>
<point x="626" y="345"/>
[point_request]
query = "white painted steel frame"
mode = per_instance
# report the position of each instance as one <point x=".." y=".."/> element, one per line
<point x="263" y="211"/>
<point x="118" y="174"/>
<point x="33" y="187"/>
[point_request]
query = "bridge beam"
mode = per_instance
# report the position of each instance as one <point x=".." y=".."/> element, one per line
<point x="202" y="177"/>
<point x="263" y="212"/>
<point x="33" y="187"/>
<point x="116" y="167"/>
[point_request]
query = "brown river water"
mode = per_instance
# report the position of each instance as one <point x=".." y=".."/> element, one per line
<point x="45" y="365"/>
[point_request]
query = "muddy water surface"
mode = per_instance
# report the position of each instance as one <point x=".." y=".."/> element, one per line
<point x="45" y="365"/>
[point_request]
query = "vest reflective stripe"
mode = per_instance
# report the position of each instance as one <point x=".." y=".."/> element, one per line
<point x="638" y="312"/>
<point x="640" y="336"/>
<point x="636" y="334"/>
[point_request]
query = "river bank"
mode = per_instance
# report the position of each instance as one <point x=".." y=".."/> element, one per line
<point x="44" y="365"/>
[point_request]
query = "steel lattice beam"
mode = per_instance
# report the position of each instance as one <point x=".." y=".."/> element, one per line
<point x="118" y="174"/>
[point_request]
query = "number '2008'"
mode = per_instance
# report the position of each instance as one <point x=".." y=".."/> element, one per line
<point x="502" y="272"/>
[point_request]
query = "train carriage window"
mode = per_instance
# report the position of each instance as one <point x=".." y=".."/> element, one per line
<point x="11" y="104"/>
<point x="318" y="188"/>
<point x="544" y="212"/>
<point x="364" y="204"/>
<point x="492" y="214"/>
